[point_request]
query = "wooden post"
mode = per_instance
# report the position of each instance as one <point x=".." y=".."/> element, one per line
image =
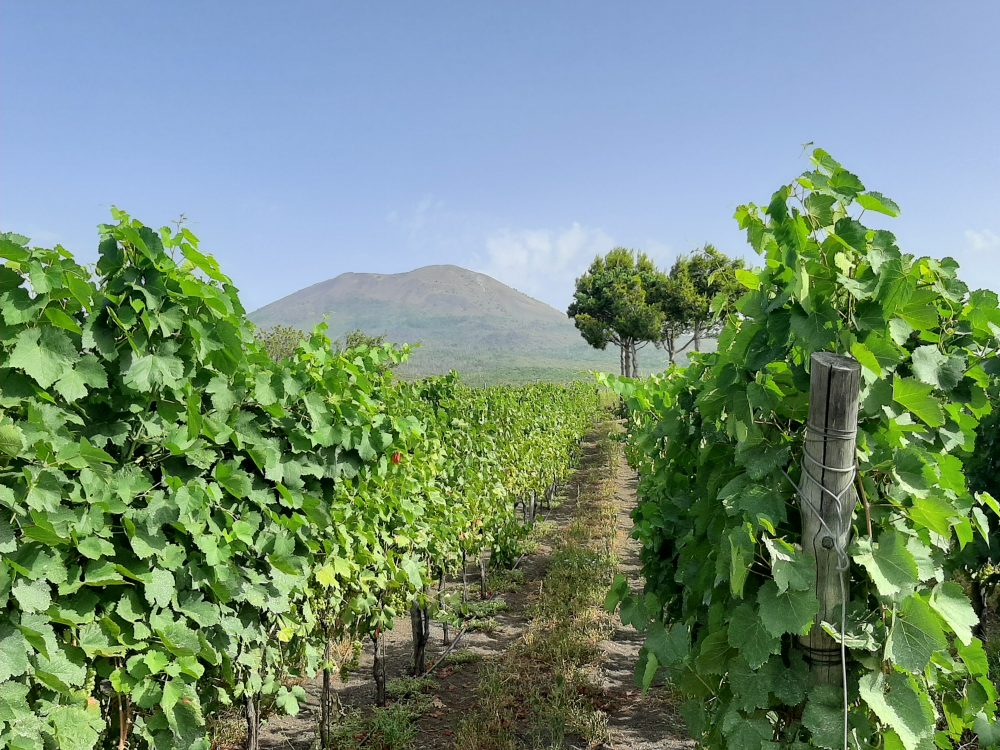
<point x="828" y="499"/>
<point x="483" y="580"/>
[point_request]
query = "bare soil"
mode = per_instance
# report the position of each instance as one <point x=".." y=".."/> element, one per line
<point x="636" y="721"/>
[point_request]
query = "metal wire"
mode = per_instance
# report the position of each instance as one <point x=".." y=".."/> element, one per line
<point x="839" y="549"/>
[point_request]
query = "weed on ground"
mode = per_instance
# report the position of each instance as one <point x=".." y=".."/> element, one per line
<point x="541" y="694"/>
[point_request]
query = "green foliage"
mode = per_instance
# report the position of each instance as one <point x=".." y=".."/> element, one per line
<point x="280" y="341"/>
<point x="611" y="304"/>
<point x="727" y="581"/>
<point x="357" y="338"/>
<point x="186" y="520"/>
<point x="697" y="294"/>
<point x="462" y="321"/>
<point x="982" y="557"/>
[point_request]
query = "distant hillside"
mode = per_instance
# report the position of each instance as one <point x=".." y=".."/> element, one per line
<point x="463" y="320"/>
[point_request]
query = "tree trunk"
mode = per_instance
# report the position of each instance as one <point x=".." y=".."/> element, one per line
<point x="124" y="721"/>
<point x="483" y="580"/>
<point x="635" y="361"/>
<point x="978" y="606"/>
<point x="420" y="623"/>
<point x="696" y="335"/>
<point x="621" y="359"/>
<point x="465" y="579"/>
<point x="327" y="717"/>
<point x="378" y="666"/>
<point x="253" y="723"/>
<point x="445" y="635"/>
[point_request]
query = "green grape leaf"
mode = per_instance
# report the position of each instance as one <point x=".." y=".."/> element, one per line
<point x="34" y="596"/>
<point x="900" y="705"/>
<point x="46" y="355"/>
<point x="178" y="638"/>
<point x="950" y="602"/>
<point x="935" y="513"/>
<point x="182" y="709"/>
<point x="918" y="398"/>
<point x="13" y="702"/>
<point x="890" y="564"/>
<point x="791" y="567"/>
<point x="60" y="670"/>
<point x="147" y="372"/>
<point x="824" y="717"/>
<point x="786" y="612"/>
<point x="974" y="657"/>
<point x="750" y="689"/>
<point x="916" y="635"/>
<point x="159" y="587"/>
<point x="671" y="646"/>
<point x="646" y="670"/>
<point x="867" y="358"/>
<point x="748" y="634"/>
<point x="11" y="440"/>
<point x="13" y="652"/>
<point x="76" y="727"/>
<point x="873" y="201"/>
<point x="934" y="368"/>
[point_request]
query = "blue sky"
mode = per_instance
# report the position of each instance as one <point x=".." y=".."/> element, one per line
<point x="306" y="139"/>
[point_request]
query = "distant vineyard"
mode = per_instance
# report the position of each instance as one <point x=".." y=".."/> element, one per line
<point x="730" y="578"/>
<point x="186" y="523"/>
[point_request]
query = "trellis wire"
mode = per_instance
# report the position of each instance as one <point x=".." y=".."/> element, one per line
<point x="821" y="435"/>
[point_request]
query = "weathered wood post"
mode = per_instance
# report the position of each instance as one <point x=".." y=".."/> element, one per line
<point x="828" y="499"/>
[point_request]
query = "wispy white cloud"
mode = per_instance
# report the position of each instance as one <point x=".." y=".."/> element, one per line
<point x="982" y="240"/>
<point x="543" y="263"/>
<point x="980" y="259"/>
<point x="416" y="220"/>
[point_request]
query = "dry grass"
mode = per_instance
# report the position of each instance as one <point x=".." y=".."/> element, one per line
<point x="540" y="693"/>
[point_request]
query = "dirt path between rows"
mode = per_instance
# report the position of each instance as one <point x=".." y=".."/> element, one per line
<point x="636" y="721"/>
<point x="453" y="694"/>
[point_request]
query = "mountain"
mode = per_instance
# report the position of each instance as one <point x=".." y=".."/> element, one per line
<point x="463" y="320"/>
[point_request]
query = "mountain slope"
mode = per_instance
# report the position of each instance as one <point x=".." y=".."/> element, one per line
<point x="462" y="320"/>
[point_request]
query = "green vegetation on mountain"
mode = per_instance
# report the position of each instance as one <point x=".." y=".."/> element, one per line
<point x="461" y="319"/>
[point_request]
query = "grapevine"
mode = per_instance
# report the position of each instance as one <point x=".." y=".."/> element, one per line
<point x="187" y="524"/>
<point x="728" y="586"/>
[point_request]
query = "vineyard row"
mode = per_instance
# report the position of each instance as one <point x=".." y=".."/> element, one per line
<point x="187" y="524"/>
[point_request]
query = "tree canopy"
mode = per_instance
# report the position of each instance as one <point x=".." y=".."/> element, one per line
<point x="611" y="304"/>
<point x="280" y="341"/>
<point x="695" y="297"/>
<point x="625" y="300"/>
